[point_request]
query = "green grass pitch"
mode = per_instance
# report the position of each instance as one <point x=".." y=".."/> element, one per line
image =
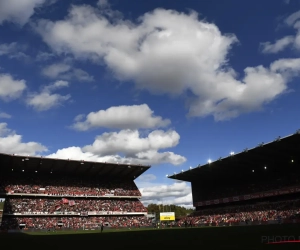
<point x="242" y="238"/>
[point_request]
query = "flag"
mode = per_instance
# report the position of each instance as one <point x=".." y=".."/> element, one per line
<point x="65" y="201"/>
<point x="71" y="203"/>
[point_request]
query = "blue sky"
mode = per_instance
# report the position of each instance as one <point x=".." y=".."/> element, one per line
<point x="165" y="83"/>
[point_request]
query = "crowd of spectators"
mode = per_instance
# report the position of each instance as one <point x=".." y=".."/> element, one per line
<point x="66" y="186"/>
<point x="246" y="213"/>
<point x="26" y="205"/>
<point x="74" y="222"/>
<point x="229" y="190"/>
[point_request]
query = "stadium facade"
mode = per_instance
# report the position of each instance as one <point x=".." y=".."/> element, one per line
<point x="48" y="194"/>
<point x="258" y="185"/>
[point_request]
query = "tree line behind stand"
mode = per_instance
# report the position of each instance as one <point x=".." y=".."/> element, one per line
<point x="160" y="208"/>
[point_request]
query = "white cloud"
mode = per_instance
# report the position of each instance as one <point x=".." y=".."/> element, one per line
<point x="44" y="56"/>
<point x="128" y="147"/>
<point x="10" y="88"/>
<point x="103" y="3"/>
<point x="56" y="85"/>
<point x="121" y="117"/>
<point x="130" y="142"/>
<point x="5" y="115"/>
<point x="178" y="193"/>
<point x="291" y="19"/>
<point x="66" y="72"/>
<point x="166" y="52"/>
<point x="79" y="118"/>
<point x="7" y="48"/>
<point x="278" y="46"/>
<point x="286" y="66"/>
<point x="288" y="41"/>
<point x="18" y="11"/>
<point x="146" y="178"/>
<point x="13" y="51"/>
<point x="54" y="70"/>
<point x="46" y="100"/>
<point x="11" y="143"/>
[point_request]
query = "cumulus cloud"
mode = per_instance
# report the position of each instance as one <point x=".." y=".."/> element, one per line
<point x="147" y="177"/>
<point x="121" y="117"/>
<point x="10" y="88"/>
<point x="17" y="11"/>
<point x="7" y="48"/>
<point x="11" y="143"/>
<point x="46" y="99"/>
<point x="13" y="51"/>
<point x="287" y="67"/>
<point x="178" y="193"/>
<point x="166" y="52"/>
<point x="288" y="41"/>
<point x="44" y="56"/>
<point x="5" y="115"/>
<point x="54" y="70"/>
<point x="127" y="146"/>
<point x="103" y="3"/>
<point x="66" y="72"/>
<point x="279" y="45"/>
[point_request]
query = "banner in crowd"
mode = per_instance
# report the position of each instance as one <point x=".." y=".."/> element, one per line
<point x="276" y="192"/>
<point x="167" y="216"/>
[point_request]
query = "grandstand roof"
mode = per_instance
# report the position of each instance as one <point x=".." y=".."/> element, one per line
<point x="81" y="168"/>
<point x="273" y="156"/>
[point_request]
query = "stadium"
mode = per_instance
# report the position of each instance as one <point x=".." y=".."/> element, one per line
<point x="50" y="194"/>
<point x="257" y="186"/>
<point x="245" y="197"/>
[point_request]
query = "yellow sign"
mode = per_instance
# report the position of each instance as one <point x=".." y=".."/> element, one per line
<point x="167" y="216"/>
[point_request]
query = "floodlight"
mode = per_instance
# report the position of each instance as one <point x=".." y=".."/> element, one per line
<point x="265" y="167"/>
<point x="252" y="171"/>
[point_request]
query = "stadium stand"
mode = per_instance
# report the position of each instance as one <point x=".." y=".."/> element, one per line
<point x="257" y="186"/>
<point x="43" y="194"/>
